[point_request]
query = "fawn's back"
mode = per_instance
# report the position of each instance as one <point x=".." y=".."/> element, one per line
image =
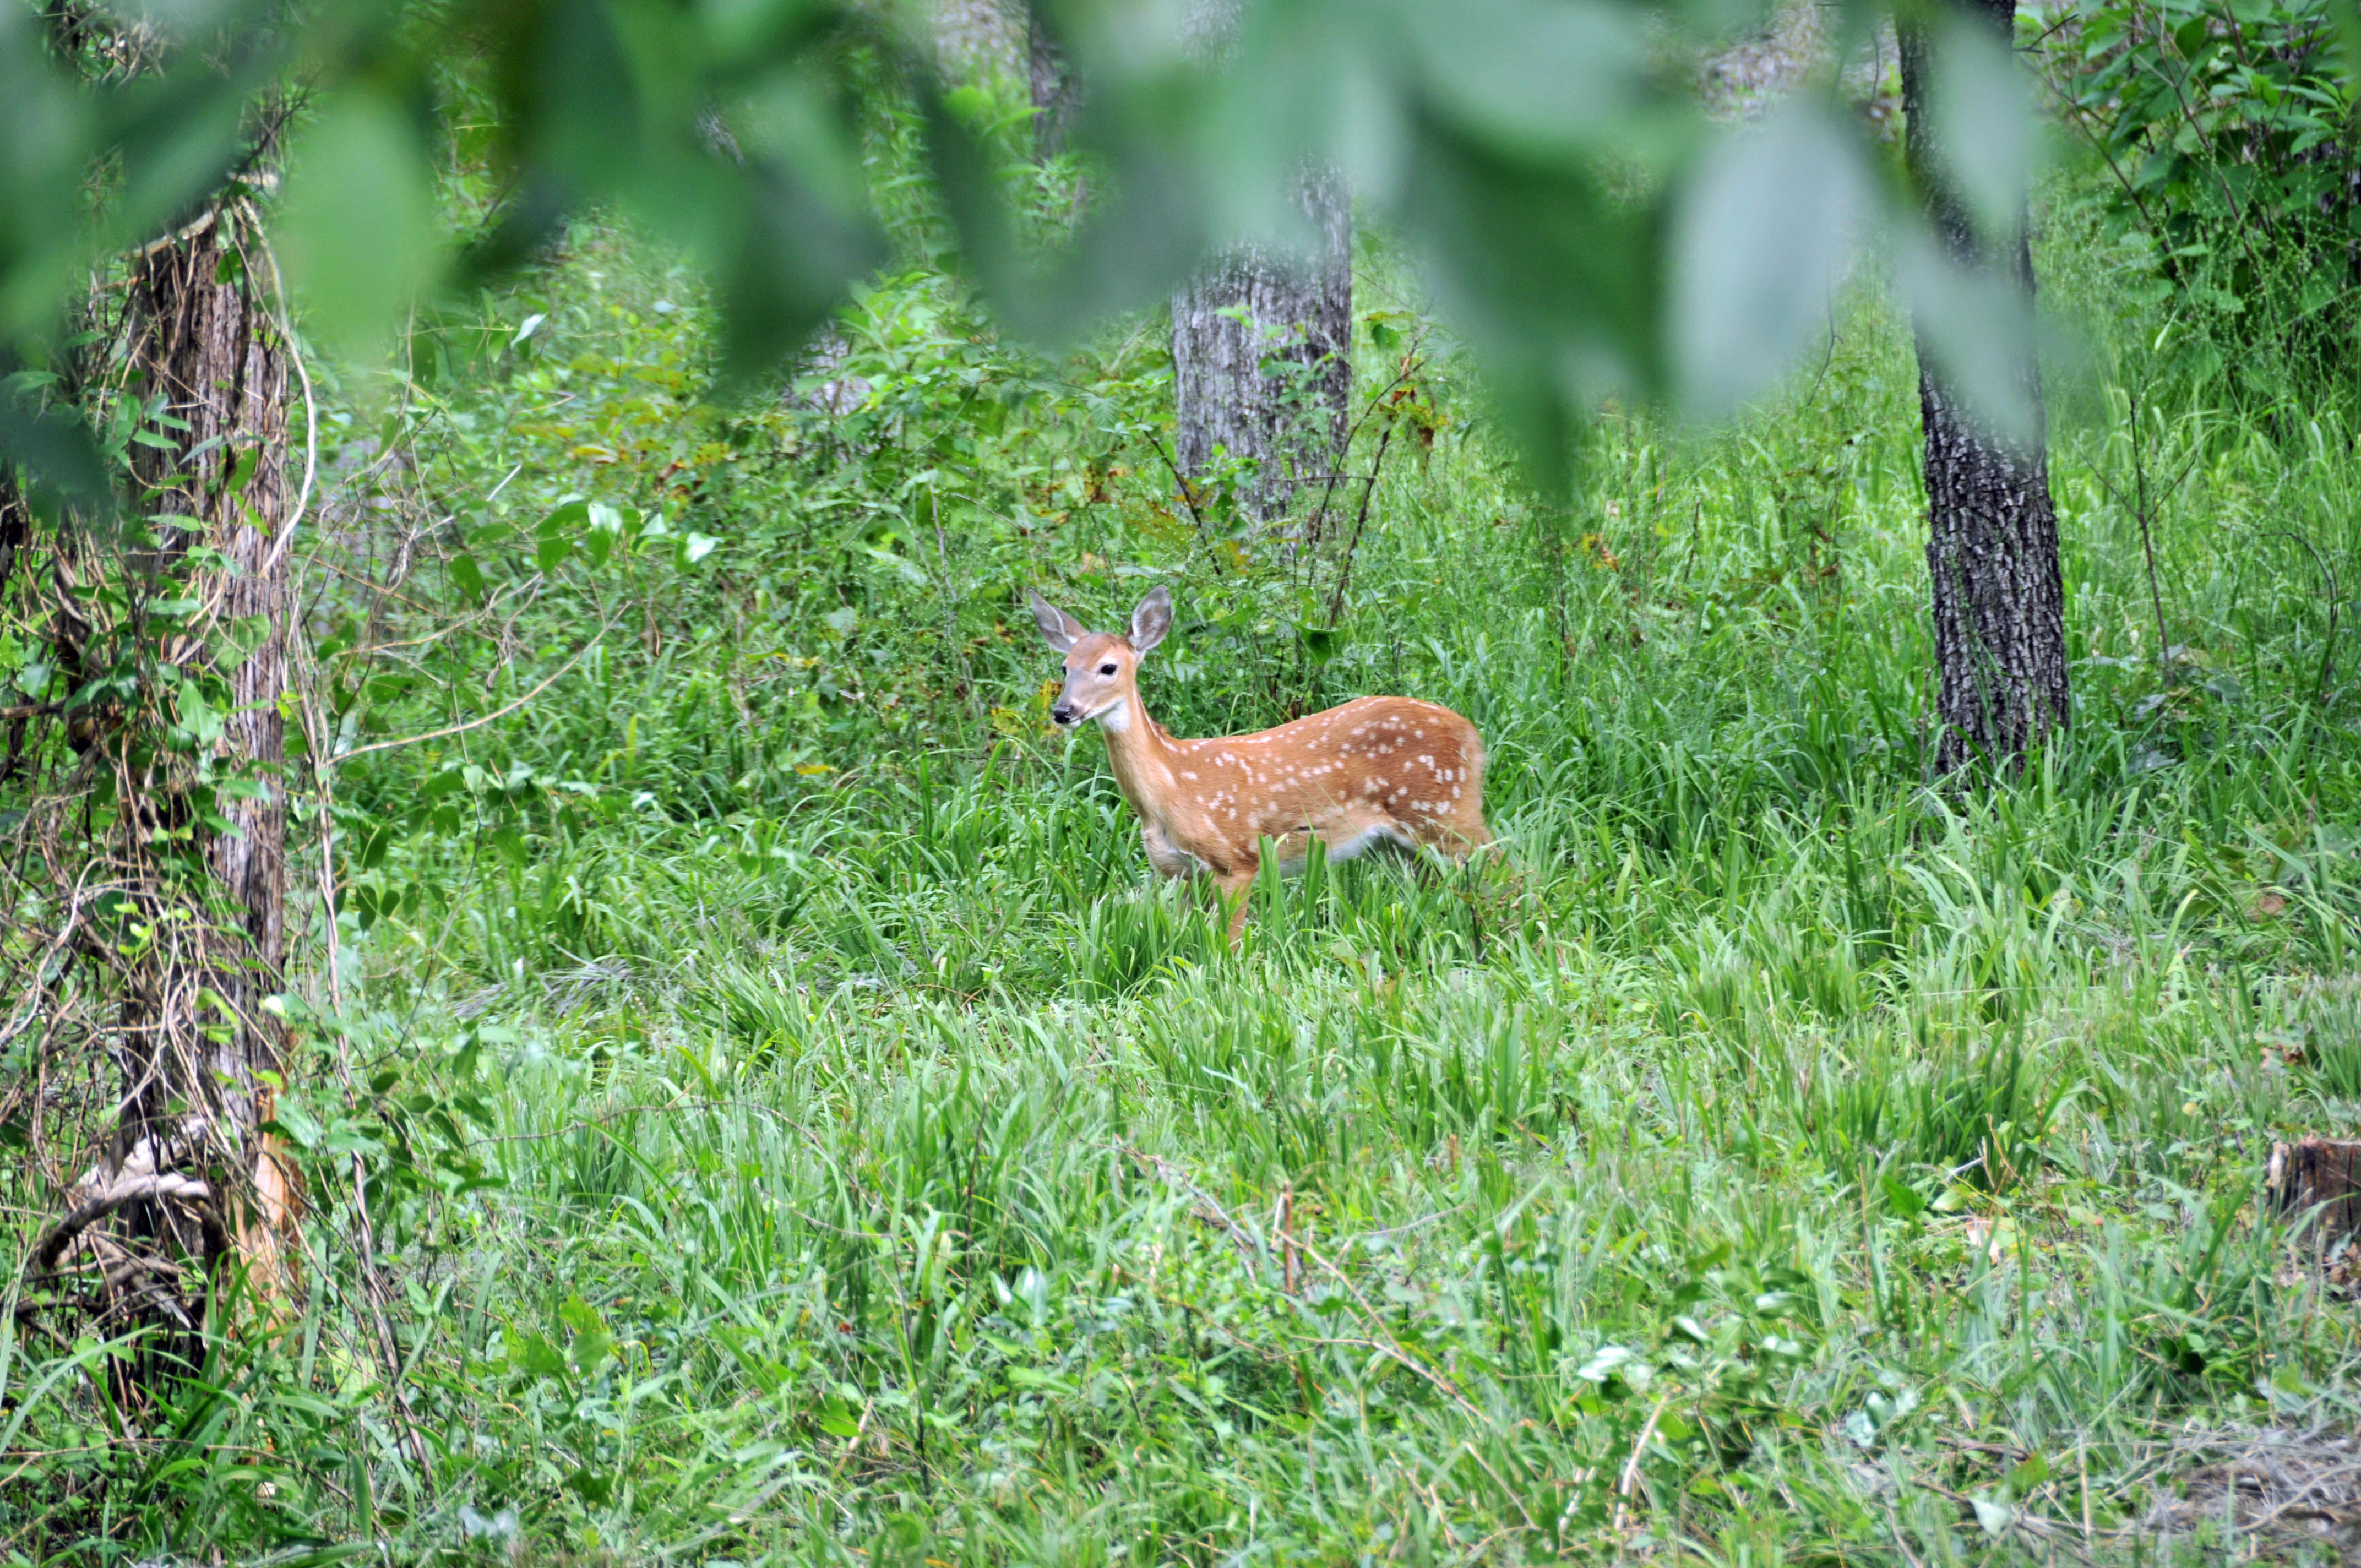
<point x="1379" y="767"/>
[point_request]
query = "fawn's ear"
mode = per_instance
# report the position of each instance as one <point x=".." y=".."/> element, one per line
<point x="1059" y="629"/>
<point x="1150" y="619"/>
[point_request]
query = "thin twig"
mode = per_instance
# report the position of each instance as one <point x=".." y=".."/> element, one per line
<point x="1353" y="545"/>
<point x="1393" y="1347"/>
<point x="476" y="723"/>
<point x="1188" y="490"/>
<point x="311" y="407"/>
<point x="1630" y="1476"/>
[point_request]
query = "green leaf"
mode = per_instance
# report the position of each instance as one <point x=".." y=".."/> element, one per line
<point x="1761" y="245"/>
<point x="593" y="1488"/>
<point x="553" y="542"/>
<point x="468" y="576"/>
<point x="1976" y="324"/>
<point x="296" y="1120"/>
<point x="58" y="450"/>
<point x="200" y="722"/>
<point x="536" y="1357"/>
<point x="1984" y="121"/>
<point x="593" y="1343"/>
<point x="1532" y="76"/>
<point x="357" y="219"/>
<point x="241" y="470"/>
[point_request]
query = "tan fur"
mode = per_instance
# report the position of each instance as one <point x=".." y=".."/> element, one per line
<point x="1378" y="767"/>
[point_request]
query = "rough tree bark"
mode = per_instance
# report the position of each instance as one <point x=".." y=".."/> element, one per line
<point x="1262" y="359"/>
<point x="976" y="38"/>
<point x="1992" y="547"/>
<point x="1287" y="422"/>
<point x="202" y="339"/>
<point x="1057" y="90"/>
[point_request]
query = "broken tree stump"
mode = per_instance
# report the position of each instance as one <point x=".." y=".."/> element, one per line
<point x="2316" y="1182"/>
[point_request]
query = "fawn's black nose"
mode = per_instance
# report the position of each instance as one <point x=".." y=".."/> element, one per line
<point x="1064" y="713"/>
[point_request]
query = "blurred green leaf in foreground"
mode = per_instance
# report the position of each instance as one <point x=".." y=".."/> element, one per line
<point x="1547" y="161"/>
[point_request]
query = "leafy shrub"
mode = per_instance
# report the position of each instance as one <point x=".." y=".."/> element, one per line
<point x="2228" y="139"/>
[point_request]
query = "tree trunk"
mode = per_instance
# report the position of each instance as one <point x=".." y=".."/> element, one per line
<point x="980" y="37"/>
<point x="1269" y="385"/>
<point x="1992" y="548"/>
<point x="2315" y="1184"/>
<point x="201" y="340"/>
<point x="1057" y="90"/>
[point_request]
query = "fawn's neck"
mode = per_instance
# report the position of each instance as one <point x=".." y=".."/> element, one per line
<point x="1140" y="752"/>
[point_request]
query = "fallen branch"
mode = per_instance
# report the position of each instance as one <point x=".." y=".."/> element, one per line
<point x="1629" y="1480"/>
<point x="124" y="1189"/>
<point x="476" y="723"/>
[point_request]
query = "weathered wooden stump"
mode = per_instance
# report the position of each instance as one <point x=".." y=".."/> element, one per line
<point x="2317" y="1182"/>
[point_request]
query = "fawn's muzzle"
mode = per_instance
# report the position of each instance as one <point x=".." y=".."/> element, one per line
<point x="1064" y="713"/>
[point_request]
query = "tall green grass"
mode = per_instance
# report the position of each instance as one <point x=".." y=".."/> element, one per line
<point x="1776" y="1147"/>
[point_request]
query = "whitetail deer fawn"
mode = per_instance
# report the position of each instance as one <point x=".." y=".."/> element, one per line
<point x="1378" y="768"/>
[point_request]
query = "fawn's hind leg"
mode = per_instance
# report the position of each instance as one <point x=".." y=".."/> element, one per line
<point x="1458" y="837"/>
<point x="1236" y="896"/>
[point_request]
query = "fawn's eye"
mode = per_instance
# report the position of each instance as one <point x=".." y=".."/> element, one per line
<point x="1106" y="669"/>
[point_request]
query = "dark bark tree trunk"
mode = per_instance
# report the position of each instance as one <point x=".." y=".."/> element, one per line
<point x="203" y="341"/>
<point x="1270" y="384"/>
<point x="1992" y="548"/>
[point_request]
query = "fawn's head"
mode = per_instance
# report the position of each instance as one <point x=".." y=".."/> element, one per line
<point x="1100" y="665"/>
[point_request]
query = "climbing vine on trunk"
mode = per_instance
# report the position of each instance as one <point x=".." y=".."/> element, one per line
<point x="149" y="809"/>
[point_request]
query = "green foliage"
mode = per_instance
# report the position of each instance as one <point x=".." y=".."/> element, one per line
<point x="792" y="1127"/>
<point x="2228" y="137"/>
<point x="1565" y="203"/>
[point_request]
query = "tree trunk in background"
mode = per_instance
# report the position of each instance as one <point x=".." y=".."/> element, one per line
<point x="1992" y="548"/>
<point x="980" y="38"/>
<point x="200" y="336"/>
<point x="1288" y="420"/>
<point x="1057" y="90"/>
<point x="1296" y="317"/>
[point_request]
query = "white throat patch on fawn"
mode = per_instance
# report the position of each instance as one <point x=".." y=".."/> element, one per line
<point x="1388" y="768"/>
